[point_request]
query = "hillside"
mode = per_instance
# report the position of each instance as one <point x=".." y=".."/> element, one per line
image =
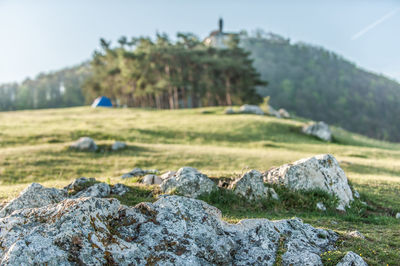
<point x="34" y="148"/>
<point x="320" y="85"/>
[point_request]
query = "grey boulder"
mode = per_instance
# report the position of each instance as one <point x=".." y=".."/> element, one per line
<point x="250" y="186"/>
<point x="119" y="189"/>
<point x="100" y="190"/>
<point x="352" y="259"/>
<point x="84" y="144"/>
<point x="283" y="113"/>
<point x="137" y="172"/>
<point x="320" y="130"/>
<point x="251" y="109"/>
<point x="318" y="172"/>
<point x="152" y="180"/>
<point x="273" y="112"/>
<point x="188" y="182"/>
<point x="118" y="145"/>
<point x="80" y="183"/>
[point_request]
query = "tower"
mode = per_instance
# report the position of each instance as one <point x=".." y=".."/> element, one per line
<point x="221" y="24"/>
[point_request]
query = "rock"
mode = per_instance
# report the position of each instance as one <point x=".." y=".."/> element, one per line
<point x="188" y="182"/>
<point x="272" y="193"/>
<point x="34" y="196"/>
<point x="283" y="113"/>
<point x="84" y="144"/>
<point x="251" y="109"/>
<point x="118" y="145"/>
<point x="356" y="194"/>
<point x="273" y="112"/>
<point x="137" y="172"/>
<point x="119" y="189"/>
<point x="352" y="259"/>
<point x="398" y="215"/>
<point x="172" y="231"/>
<point x="321" y="206"/>
<point x="356" y="234"/>
<point x="320" y="130"/>
<point x="152" y="180"/>
<point x="250" y="186"/>
<point x="99" y="190"/>
<point x="229" y="111"/>
<point x="318" y="172"/>
<point x="167" y="175"/>
<point x="364" y="203"/>
<point x="80" y="183"/>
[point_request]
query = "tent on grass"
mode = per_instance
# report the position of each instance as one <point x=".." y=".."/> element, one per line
<point x="102" y="101"/>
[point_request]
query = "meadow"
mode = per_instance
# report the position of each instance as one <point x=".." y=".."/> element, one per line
<point x="34" y="148"/>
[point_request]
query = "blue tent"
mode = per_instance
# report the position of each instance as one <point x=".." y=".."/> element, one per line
<point x="102" y="102"/>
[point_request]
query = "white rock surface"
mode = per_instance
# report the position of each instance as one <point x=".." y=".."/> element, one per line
<point x="34" y="196"/>
<point x="398" y="215"/>
<point x="118" y="145"/>
<point x="319" y="129"/>
<point x="250" y="186"/>
<point x="352" y="259"/>
<point x="84" y="144"/>
<point x="172" y="231"/>
<point x="152" y="180"/>
<point x="321" y="206"/>
<point x="251" y="109"/>
<point x="119" y="189"/>
<point x="356" y="194"/>
<point x="100" y="190"/>
<point x="356" y="234"/>
<point x="318" y="172"/>
<point x="167" y="175"/>
<point x="188" y="182"/>
<point x="273" y="112"/>
<point x="272" y="193"/>
<point x="283" y="113"/>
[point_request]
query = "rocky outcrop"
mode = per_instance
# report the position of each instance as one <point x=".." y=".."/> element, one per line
<point x="251" y="186"/>
<point x="320" y="206"/>
<point x="118" y="145"/>
<point x="152" y="180"/>
<point x="352" y="259"/>
<point x="137" y="172"/>
<point x="84" y="144"/>
<point x="251" y="109"/>
<point x="318" y="129"/>
<point x="318" y="172"/>
<point x="80" y="183"/>
<point x="172" y="231"/>
<point x="34" y="196"/>
<point x="188" y="182"/>
<point x="273" y="112"/>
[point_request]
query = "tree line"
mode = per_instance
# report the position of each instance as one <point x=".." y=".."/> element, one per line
<point x="167" y="74"/>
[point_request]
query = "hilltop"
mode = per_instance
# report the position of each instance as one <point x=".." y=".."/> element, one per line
<point x="34" y="148"/>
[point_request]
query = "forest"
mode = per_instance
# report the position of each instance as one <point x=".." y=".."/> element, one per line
<point x="308" y="81"/>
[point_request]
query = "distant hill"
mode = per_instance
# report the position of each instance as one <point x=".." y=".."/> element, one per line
<point x="318" y="84"/>
<point x="306" y="80"/>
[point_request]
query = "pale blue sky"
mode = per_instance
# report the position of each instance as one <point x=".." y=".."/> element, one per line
<point x="45" y="35"/>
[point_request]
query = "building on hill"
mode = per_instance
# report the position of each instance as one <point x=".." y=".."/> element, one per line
<point x="219" y="38"/>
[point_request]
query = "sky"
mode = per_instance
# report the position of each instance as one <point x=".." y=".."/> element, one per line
<point x="47" y="35"/>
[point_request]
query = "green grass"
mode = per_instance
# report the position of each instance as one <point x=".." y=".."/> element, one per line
<point x="34" y="148"/>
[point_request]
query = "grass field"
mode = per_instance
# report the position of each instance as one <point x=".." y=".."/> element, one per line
<point x="34" y="148"/>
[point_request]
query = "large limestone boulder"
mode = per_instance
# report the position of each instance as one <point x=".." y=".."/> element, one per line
<point x="250" y="186"/>
<point x="283" y="113"/>
<point x="172" y="231"/>
<point x="34" y="196"/>
<point x="318" y="172"/>
<point x="352" y="259"/>
<point x="251" y="109"/>
<point x="319" y="129"/>
<point x="84" y="144"/>
<point x="188" y="182"/>
<point x="273" y="112"/>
